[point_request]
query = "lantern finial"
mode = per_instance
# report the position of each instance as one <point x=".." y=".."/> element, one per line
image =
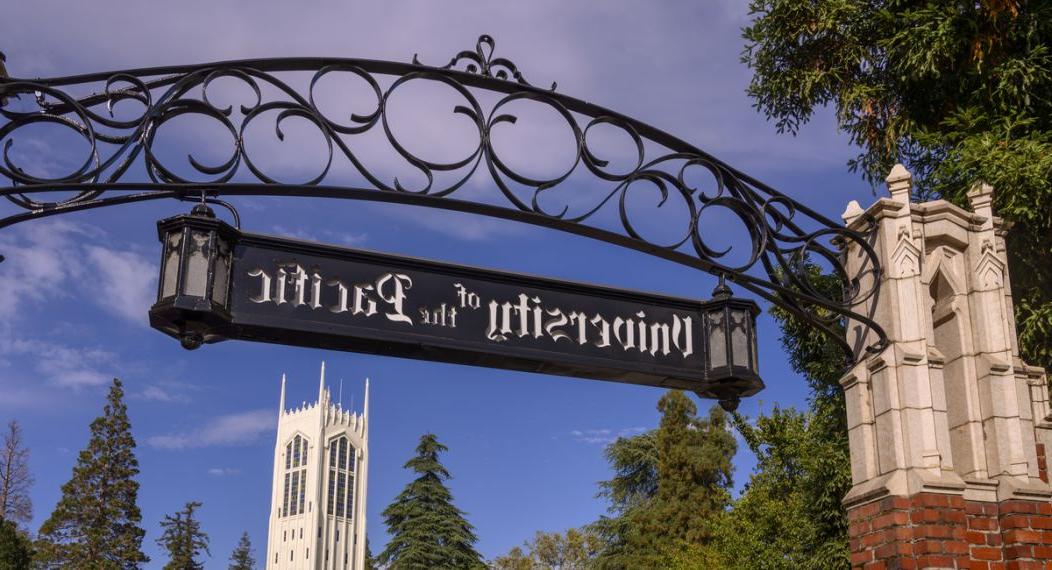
<point x="722" y="291"/>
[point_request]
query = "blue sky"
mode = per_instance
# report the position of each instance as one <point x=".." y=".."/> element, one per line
<point x="525" y="450"/>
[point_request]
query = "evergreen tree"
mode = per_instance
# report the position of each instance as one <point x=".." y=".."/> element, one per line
<point x="16" y="550"/>
<point x="670" y="489"/>
<point x="184" y="540"/>
<point x="242" y="559"/>
<point x="370" y="560"/>
<point x="957" y="91"/>
<point x="427" y="530"/>
<point x="96" y="521"/>
<point x="15" y="479"/>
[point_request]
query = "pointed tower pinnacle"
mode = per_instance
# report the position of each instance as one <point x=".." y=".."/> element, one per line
<point x="281" y="405"/>
<point x="365" y="408"/>
<point x="321" y="385"/>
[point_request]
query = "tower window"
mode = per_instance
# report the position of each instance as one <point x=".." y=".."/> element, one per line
<point x="341" y="477"/>
<point x="295" y="477"/>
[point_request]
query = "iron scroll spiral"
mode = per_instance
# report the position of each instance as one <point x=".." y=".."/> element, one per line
<point x="785" y="237"/>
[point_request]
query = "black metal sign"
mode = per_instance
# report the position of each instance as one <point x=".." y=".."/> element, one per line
<point x="308" y="294"/>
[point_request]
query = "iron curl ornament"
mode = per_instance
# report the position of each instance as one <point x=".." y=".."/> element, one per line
<point x="122" y="164"/>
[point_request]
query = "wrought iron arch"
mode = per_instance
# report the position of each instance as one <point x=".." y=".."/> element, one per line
<point x="785" y="236"/>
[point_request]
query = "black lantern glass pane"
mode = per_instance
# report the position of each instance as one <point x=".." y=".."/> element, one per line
<point x="173" y="245"/>
<point x="196" y="279"/>
<point x="739" y="337"/>
<point x="717" y="339"/>
<point x="755" y="361"/>
<point x="222" y="272"/>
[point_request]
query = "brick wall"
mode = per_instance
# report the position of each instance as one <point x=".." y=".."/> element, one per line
<point x="932" y="530"/>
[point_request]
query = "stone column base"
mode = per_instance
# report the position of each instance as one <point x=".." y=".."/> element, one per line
<point x="936" y="530"/>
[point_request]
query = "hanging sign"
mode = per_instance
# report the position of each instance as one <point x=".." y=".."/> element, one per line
<point x="307" y="294"/>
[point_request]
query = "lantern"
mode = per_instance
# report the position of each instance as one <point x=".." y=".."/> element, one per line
<point x="193" y="290"/>
<point x="729" y="340"/>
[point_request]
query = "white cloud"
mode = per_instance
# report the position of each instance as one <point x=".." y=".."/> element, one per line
<point x="223" y="471"/>
<point x="62" y="365"/>
<point x="233" y="429"/>
<point x="604" y="435"/>
<point x="323" y="236"/>
<point x="45" y="260"/>
<point x="166" y="391"/>
<point x="127" y="283"/>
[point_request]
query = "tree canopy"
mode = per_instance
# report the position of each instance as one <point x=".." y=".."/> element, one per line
<point x="183" y="538"/>
<point x="427" y="529"/>
<point x="241" y="558"/>
<point x="96" y="522"/>
<point x="669" y="486"/>
<point x="957" y="91"/>
<point x="15" y="479"/>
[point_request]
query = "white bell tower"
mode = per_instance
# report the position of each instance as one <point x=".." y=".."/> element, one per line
<point x="321" y="460"/>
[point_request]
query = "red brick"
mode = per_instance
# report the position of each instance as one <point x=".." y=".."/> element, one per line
<point x="1018" y="507"/>
<point x="858" y="528"/>
<point x="893" y="549"/>
<point x="1044" y="508"/>
<point x="894" y="503"/>
<point x="1041" y="522"/>
<point x="978" y="565"/>
<point x="1018" y="551"/>
<point x="930" y="515"/>
<point x="1015" y="521"/>
<point x="973" y="508"/>
<point x="986" y="553"/>
<point x="975" y="537"/>
<point x="935" y="562"/>
<point x="859" y="558"/>
<point x="1043" y="552"/>
<point x="928" y="547"/>
<point x="931" y="500"/>
<point x="876" y="565"/>
<point x="932" y="531"/>
<point x="890" y="519"/>
<point x="955" y="517"/>
<point x="982" y="524"/>
<point x="863" y="511"/>
<point x="901" y="533"/>
<point x="955" y="547"/>
<point x="1025" y="565"/>
<point x="874" y="539"/>
<point x="993" y="539"/>
<point x="1017" y="536"/>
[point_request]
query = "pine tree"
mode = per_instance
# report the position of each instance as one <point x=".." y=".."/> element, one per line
<point x="16" y="550"/>
<point x="370" y="560"/>
<point x="427" y="530"/>
<point x="15" y="479"/>
<point x="671" y="487"/>
<point x="184" y="540"/>
<point x="242" y="559"/>
<point x="96" y="521"/>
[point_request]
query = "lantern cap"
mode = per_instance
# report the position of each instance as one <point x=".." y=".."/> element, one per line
<point x="722" y="291"/>
<point x="202" y="210"/>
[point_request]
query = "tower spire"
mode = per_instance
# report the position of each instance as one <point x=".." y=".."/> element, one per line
<point x="365" y="408"/>
<point x="321" y="385"/>
<point x="281" y="405"/>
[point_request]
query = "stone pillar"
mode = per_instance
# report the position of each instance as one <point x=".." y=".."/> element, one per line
<point x="947" y="426"/>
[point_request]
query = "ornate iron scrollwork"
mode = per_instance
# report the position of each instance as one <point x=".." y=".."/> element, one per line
<point x="784" y="235"/>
